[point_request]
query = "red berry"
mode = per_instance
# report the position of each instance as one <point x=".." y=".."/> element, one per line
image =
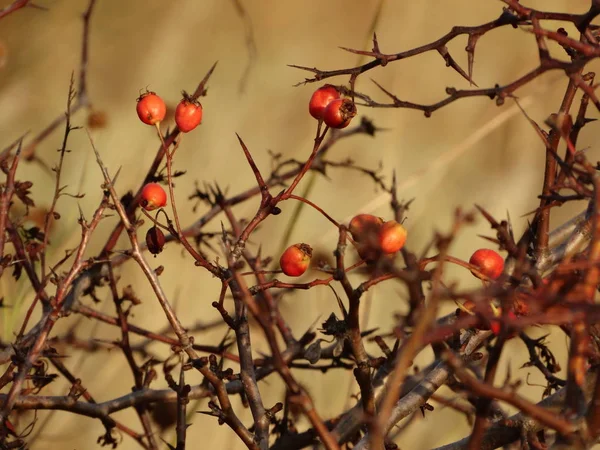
<point x="496" y="325"/>
<point x="153" y="197"/>
<point x="188" y="114"/>
<point x="364" y="225"/>
<point x="155" y="240"/>
<point x="296" y="259"/>
<point x="339" y="113"/>
<point x="10" y="428"/>
<point x="150" y="108"/>
<point x="488" y="262"/>
<point x="392" y="237"/>
<point x="320" y="99"/>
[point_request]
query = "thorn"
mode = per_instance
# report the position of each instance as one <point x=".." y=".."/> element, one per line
<point x="223" y="233"/>
<point x="200" y="90"/>
<point x="450" y="62"/>
<point x="510" y="227"/>
<point x="488" y="216"/>
<point x="266" y="196"/>
<point x="114" y="180"/>
<point x="396" y="100"/>
<point x="340" y="303"/>
<point x="473" y="38"/>
<point x="487" y="238"/>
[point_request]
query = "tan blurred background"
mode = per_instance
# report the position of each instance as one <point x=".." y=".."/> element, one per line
<point x="469" y="152"/>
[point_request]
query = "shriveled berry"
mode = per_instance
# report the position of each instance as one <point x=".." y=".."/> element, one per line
<point x="364" y="225"/>
<point x="188" y="114"/>
<point x="295" y="259"/>
<point x="488" y="262"/>
<point x="151" y="108"/>
<point x="369" y="251"/>
<point x="392" y="236"/>
<point x="153" y="197"/>
<point x="155" y="240"/>
<point x="320" y="99"/>
<point x="339" y="113"/>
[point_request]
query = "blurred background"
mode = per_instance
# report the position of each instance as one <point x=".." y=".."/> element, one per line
<point x="471" y="152"/>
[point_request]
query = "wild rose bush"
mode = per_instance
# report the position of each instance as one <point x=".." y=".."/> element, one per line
<point x="546" y="276"/>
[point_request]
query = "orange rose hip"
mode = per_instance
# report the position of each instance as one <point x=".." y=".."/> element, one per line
<point x="295" y="259"/>
<point x="153" y="197"/>
<point x="488" y="262"/>
<point x="392" y="236"/>
<point x="151" y="109"/>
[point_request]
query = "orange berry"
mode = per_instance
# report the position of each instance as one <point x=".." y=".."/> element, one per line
<point x="153" y="197"/>
<point x="488" y="262"/>
<point x="295" y="259"/>
<point x="150" y="108"/>
<point x="392" y="237"/>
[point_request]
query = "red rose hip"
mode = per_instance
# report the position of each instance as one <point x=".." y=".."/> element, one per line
<point x="488" y="262"/>
<point x="151" y="109"/>
<point x="320" y="99"/>
<point x="339" y="113"/>
<point x="153" y="197"/>
<point x="188" y="114"/>
<point x="295" y="259"/>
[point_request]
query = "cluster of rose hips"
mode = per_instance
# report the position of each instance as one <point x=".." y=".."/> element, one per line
<point x="327" y="105"/>
<point x="373" y="238"/>
<point x="154" y="197"/>
<point x="151" y="110"/>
